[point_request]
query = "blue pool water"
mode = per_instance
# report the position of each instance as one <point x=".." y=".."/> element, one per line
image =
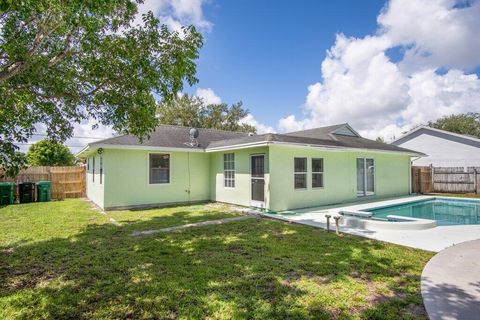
<point x="444" y="211"/>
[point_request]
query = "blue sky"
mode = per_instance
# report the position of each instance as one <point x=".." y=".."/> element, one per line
<point x="393" y="64"/>
<point x="385" y="67"/>
<point x="266" y="53"/>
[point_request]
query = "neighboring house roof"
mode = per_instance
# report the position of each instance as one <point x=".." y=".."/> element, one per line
<point x="340" y="136"/>
<point x="462" y="138"/>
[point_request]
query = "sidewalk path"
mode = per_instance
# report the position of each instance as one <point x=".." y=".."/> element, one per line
<point x="451" y="283"/>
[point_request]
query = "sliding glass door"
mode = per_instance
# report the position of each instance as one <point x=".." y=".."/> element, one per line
<point x="365" y="177"/>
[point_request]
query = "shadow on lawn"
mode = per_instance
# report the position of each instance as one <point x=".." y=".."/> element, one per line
<point x="250" y="269"/>
<point x="173" y="219"/>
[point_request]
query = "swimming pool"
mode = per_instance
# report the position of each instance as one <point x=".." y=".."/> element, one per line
<point x="445" y="211"/>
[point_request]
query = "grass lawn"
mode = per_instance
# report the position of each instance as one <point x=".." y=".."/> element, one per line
<point x="64" y="260"/>
<point x="171" y="216"/>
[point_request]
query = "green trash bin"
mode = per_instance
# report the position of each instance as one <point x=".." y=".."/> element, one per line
<point x="44" y="191"/>
<point x="7" y="190"/>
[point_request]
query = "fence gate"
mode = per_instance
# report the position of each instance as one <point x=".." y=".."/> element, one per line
<point x="422" y="180"/>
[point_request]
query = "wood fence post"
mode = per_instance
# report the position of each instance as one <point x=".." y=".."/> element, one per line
<point x="475" y="180"/>
<point x="432" y="173"/>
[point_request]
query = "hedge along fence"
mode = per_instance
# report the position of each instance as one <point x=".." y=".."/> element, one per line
<point x="67" y="182"/>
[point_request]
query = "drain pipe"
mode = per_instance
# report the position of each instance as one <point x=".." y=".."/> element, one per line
<point x="328" y="221"/>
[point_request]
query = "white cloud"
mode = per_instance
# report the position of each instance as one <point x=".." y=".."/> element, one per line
<point x="261" y="128"/>
<point x="437" y="33"/>
<point x="208" y="96"/>
<point x="378" y="96"/>
<point x="176" y="13"/>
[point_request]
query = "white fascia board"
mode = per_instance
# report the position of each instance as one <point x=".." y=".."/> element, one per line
<point x="239" y="146"/>
<point x="83" y="152"/>
<point x="301" y="145"/>
<point x="347" y="149"/>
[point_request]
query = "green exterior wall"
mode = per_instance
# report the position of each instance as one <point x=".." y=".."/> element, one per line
<point x="127" y="184"/>
<point x="392" y="172"/>
<point x="125" y="180"/>
<point x="241" y="193"/>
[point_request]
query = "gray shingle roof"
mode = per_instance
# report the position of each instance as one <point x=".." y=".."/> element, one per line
<point x="172" y="137"/>
<point x="168" y="136"/>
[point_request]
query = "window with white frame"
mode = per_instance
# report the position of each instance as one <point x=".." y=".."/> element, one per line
<point x="159" y="168"/>
<point x="300" y="173"/>
<point x="229" y="170"/>
<point x="93" y="169"/>
<point x="317" y="173"/>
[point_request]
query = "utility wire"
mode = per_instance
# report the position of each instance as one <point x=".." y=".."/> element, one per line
<point x="29" y="144"/>
<point x="74" y="137"/>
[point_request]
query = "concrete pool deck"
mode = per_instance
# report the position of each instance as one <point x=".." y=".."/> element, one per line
<point x="433" y="239"/>
<point x="451" y="285"/>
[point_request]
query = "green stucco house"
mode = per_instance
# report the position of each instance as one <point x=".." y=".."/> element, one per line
<point x="278" y="172"/>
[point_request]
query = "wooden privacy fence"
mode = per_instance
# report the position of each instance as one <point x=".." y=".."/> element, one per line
<point x="67" y="182"/>
<point x="446" y="179"/>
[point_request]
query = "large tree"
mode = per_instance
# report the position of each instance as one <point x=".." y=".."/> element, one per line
<point x="65" y="61"/>
<point x="49" y="153"/>
<point x="467" y="123"/>
<point x="191" y="111"/>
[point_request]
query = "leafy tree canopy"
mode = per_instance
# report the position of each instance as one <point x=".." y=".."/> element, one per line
<point x="49" y="153"/>
<point x="467" y="123"/>
<point x="190" y="111"/>
<point x="65" y="61"/>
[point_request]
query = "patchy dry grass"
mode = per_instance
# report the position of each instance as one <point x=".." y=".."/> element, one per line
<point x="64" y="260"/>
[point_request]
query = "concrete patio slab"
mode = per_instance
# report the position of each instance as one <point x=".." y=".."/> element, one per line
<point x="433" y="239"/>
<point x="451" y="283"/>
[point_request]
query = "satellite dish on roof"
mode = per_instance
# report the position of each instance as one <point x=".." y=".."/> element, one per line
<point x="194" y="133"/>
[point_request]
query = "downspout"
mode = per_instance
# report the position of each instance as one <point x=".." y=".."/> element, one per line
<point x="410" y="175"/>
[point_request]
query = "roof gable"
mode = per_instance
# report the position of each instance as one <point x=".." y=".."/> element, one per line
<point x="346" y="130"/>
<point x="343" y="129"/>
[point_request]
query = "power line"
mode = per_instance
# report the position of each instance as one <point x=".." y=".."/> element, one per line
<point x="29" y="144"/>
<point x="74" y="137"/>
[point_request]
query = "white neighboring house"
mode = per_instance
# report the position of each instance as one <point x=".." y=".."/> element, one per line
<point x="444" y="149"/>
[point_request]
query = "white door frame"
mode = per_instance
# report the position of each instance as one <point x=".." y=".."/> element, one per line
<point x="256" y="203"/>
